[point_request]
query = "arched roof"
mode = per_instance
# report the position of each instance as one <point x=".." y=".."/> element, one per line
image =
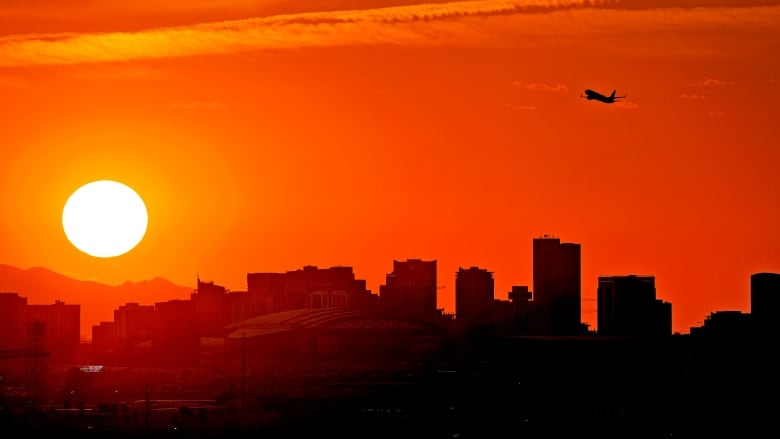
<point x="322" y="318"/>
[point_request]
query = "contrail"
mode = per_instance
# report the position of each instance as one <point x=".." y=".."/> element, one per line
<point x="292" y="30"/>
<point x="416" y="24"/>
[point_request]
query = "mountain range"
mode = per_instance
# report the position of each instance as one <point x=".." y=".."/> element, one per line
<point x="98" y="301"/>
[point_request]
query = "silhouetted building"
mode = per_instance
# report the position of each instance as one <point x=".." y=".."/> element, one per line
<point x="627" y="306"/>
<point x="725" y="324"/>
<point x="176" y="336"/>
<point x="410" y="290"/>
<point x="36" y="367"/>
<point x="265" y="293"/>
<point x="213" y="307"/>
<point x="13" y="321"/>
<point x="133" y="325"/>
<point x="504" y="317"/>
<point x="310" y="287"/>
<point x="104" y="337"/>
<point x="556" y="307"/>
<point x="61" y="325"/>
<point x="355" y="340"/>
<point x="765" y="301"/>
<point x="520" y="299"/>
<point x="238" y="307"/>
<point x="474" y="291"/>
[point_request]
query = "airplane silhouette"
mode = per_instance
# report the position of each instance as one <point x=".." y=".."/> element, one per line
<point x="611" y="99"/>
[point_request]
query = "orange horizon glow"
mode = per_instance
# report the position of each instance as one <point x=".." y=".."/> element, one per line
<point x="266" y="137"/>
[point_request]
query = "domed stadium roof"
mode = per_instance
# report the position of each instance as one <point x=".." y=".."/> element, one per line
<point x="308" y="318"/>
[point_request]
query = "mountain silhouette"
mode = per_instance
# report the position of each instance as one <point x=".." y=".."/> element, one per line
<point x="98" y="301"/>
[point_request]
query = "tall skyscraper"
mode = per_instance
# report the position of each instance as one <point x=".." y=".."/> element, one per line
<point x="133" y="325"/>
<point x="627" y="305"/>
<point x="765" y="300"/>
<point x="60" y="321"/>
<point x="410" y="290"/>
<point x="212" y="304"/>
<point x="176" y="335"/>
<point x="104" y="337"/>
<point x="474" y="294"/>
<point x="557" y="291"/>
<point x="13" y="321"/>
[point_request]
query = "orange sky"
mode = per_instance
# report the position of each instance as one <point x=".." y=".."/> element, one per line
<point x="269" y="135"/>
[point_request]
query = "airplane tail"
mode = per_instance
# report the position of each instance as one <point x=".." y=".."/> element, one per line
<point x="612" y="96"/>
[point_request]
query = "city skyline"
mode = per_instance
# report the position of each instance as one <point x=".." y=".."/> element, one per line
<point x="269" y="135"/>
<point x="87" y="325"/>
<point x="328" y="368"/>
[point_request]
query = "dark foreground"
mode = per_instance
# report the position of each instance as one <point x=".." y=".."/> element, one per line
<point x="520" y="388"/>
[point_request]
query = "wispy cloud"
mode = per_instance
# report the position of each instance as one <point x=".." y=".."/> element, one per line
<point x="624" y="105"/>
<point x="540" y="86"/>
<point x="416" y="24"/>
<point x="710" y="82"/>
<point x="371" y="26"/>
<point x="693" y="96"/>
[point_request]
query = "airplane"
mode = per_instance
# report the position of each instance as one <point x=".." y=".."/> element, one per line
<point x="611" y="99"/>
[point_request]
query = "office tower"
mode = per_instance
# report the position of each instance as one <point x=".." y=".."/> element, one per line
<point x="520" y="298"/>
<point x="13" y="321"/>
<point x="765" y="300"/>
<point x="556" y="287"/>
<point x="61" y="325"/>
<point x="211" y="302"/>
<point x="309" y="287"/>
<point x="410" y="290"/>
<point x="627" y="306"/>
<point x="265" y="293"/>
<point x="133" y="325"/>
<point x="474" y="296"/>
<point x="176" y="338"/>
<point x="104" y="337"/>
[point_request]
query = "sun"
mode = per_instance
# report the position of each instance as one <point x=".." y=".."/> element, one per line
<point x="105" y="218"/>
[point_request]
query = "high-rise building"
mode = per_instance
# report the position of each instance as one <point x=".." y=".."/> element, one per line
<point x="309" y="287"/>
<point x="104" y="337"/>
<point x="176" y="335"/>
<point x="13" y="321"/>
<point x="627" y="306"/>
<point x="60" y="322"/>
<point x="410" y="290"/>
<point x="265" y="293"/>
<point x="213" y="307"/>
<point x="765" y="300"/>
<point x="520" y="298"/>
<point x="474" y="295"/>
<point x="133" y="325"/>
<point x="238" y="306"/>
<point x="557" y="294"/>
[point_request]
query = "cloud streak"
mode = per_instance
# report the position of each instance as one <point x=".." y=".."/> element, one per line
<point x="417" y="24"/>
<point x="540" y="86"/>
<point x="711" y="82"/>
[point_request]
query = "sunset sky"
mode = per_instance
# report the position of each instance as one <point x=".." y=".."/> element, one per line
<point x="265" y="135"/>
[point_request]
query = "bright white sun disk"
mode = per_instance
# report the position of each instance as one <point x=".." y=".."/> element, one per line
<point x="105" y="219"/>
